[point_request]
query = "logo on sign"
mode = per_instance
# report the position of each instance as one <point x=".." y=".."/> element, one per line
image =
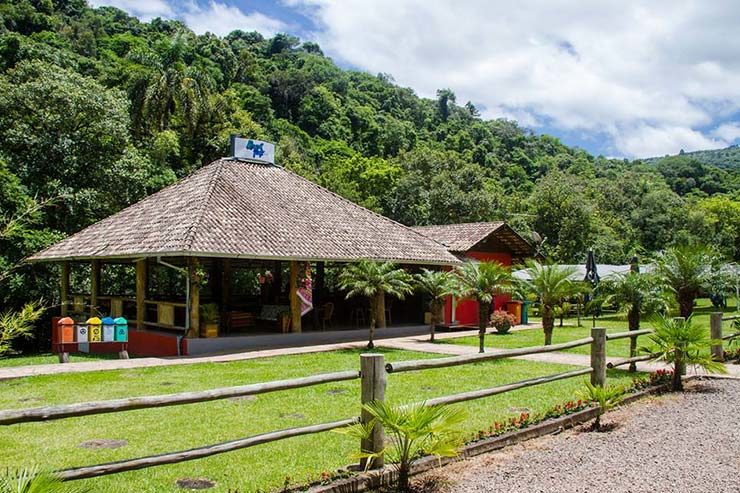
<point x="253" y="149"/>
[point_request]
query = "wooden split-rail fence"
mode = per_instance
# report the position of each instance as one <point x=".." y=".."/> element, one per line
<point x="373" y="375"/>
<point x="716" y="321"/>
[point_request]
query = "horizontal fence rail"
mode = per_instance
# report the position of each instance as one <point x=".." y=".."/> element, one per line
<point x="373" y="374"/>
<point x="197" y="453"/>
<point x="425" y="364"/>
<point x="49" y="413"/>
<point x="629" y="333"/>
<point x="626" y="361"/>
<point x="479" y="394"/>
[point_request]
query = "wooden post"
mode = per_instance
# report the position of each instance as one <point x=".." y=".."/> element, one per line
<point x="64" y="294"/>
<point x="94" y="287"/>
<point x="226" y="285"/>
<point x="295" y="302"/>
<point x="141" y="277"/>
<point x="715" y="329"/>
<point x="373" y="375"/>
<point x="194" y="308"/>
<point x="598" y="356"/>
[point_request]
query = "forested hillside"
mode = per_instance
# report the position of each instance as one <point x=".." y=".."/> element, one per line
<point x="98" y="110"/>
<point x="728" y="158"/>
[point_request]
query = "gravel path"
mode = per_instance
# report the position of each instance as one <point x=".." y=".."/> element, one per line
<point x="666" y="444"/>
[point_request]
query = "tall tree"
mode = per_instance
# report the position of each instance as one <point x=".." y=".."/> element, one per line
<point x="686" y="271"/>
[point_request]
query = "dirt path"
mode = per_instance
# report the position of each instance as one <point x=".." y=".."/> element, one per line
<point x="683" y="443"/>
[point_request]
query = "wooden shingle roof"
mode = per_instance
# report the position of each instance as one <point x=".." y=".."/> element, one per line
<point x="238" y="209"/>
<point x="460" y="238"/>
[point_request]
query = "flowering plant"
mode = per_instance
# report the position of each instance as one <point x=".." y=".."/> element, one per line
<point x="265" y="277"/>
<point x="502" y="321"/>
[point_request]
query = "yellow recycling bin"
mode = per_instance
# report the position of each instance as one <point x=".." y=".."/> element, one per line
<point x="95" y="329"/>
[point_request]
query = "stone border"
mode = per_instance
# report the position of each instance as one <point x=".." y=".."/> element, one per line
<point x="384" y="477"/>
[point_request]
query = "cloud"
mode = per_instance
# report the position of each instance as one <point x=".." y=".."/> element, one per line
<point x="648" y="75"/>
<point x="145" y="10"/>
<point x="215" y="17"/>
<point x="729" y="132"/>
<point x="221" y="19"/>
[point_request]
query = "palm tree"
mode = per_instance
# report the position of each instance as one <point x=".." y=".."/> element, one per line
<point x="552" y="284"/>
<point x="481" y="281"/>
<point x="606" y="397"/>
<point x="437" y="285"/>
<point x="680" y="342"/>
<point x="414" y="431"/>
<point x="686" y="271"/>
<point x="34" y="481"/>
<point x="636" y="295"/>
<point x="374" y="280"/>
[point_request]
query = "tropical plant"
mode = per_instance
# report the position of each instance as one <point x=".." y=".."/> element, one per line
<point x="502" y="321"/>
<point x="374" y="280"/>
<point x="687" y="271"/>
<point x="607" y="397"/>
<point x="561" y="311"/>
<point x="412" y="431"/>
<point x="437" y="286"/>
<point x="635" y="295"/>
<point x="15" y="324"/>
<point x="209" y="313"/>
<point x="481" y="281"/>
<point x="553" y="284"/>
<point x="681" y="342"/>
<point x="33" y="481"/>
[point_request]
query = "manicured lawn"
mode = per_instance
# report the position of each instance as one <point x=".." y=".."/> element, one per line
<point x="569" y="332"/>
<point x="56" y="444"/>
<point x="47" y="358"/>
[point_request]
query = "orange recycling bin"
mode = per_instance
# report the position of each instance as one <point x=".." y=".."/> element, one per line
<point x="66" y="330"/>
<point x="515" y="308"/>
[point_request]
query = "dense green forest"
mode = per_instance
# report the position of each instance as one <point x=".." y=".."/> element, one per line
<point x="728" y="158"/>
<point x="98" y="109"/>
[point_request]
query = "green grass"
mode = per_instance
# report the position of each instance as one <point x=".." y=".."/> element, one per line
<point x="613" y="323"/>
<point x="56" y="444"/>
<point x="48" y="358"/>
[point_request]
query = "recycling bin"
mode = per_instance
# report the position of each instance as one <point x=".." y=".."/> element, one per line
<point x="94" y="329"/>
<point x="66" y="330"/>
<point x="81" y="333"/>
<point x="515" y="308"/>
<point x="525" y="312"/>
<point x="108" y="329"/>
<point x="121" y="328"/>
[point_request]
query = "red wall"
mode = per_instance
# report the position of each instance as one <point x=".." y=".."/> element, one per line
<point x="467" y="310"/>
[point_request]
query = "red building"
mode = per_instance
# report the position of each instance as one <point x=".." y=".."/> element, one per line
<point x="490" y="241"/>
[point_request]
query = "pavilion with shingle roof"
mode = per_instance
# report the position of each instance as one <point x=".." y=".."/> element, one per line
<point x="236" y="211"/>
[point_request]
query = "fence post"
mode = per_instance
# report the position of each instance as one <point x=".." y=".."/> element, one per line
<point x="373" y="380"/>
<point x="715" y="329"/>
<point x="598" y="356"/>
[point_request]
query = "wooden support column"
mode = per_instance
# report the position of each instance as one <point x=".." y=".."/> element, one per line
<point x="226" y="285"/>
<point x="64" y="295"/>
<point x="194" y="308"/>
<point x="295" y="302"/>
<point x="141" y="281"/>
<point x="94" y="288"/>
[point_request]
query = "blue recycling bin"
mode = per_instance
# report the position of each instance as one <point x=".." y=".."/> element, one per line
<point x="121" y="328"/>
<point x="108" y="329"/>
